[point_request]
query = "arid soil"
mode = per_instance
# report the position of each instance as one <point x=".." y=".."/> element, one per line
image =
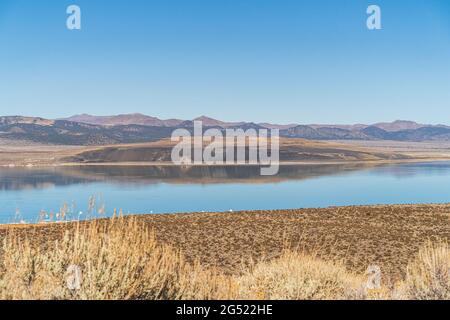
<point x="21" y="155"/>
<point x="388" y="236"/>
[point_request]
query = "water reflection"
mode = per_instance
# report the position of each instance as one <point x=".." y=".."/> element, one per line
<point x="22" y="179"/>
<point x="410" y="170"/>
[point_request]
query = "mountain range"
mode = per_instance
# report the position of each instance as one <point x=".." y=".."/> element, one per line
<point x="132" y="128"/>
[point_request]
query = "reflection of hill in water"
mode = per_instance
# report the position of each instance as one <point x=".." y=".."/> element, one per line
<point x="22" y="179"/>
<point x="205" y="174"/>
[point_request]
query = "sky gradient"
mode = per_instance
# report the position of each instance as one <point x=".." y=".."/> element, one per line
<point x="303" y="61"/>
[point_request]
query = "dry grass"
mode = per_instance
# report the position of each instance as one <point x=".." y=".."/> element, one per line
<point x="428" y="275"/>
<point x="117" y="259"/>
<point x="120" y="258"/>
<point x="296" y="276"/>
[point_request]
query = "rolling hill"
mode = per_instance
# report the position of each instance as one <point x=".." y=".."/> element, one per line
<point x="61" y="132"/>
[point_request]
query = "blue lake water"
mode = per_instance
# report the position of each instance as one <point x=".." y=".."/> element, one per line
<point x="27" y="195"/>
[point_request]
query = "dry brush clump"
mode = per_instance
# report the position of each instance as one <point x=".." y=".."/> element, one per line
<point x="116" y="259"/>
<point x="428" y="275"/>
<point x="296" y="276"/>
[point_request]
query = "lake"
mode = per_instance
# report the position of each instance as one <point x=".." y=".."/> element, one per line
<point x="31" y="195"/>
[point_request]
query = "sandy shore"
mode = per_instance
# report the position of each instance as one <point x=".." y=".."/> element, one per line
<point x="283" y="163"/>
<point x="388" y="236"/>
<point x="49" y="163"/>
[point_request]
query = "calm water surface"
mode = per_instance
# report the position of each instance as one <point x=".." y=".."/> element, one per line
<point x="27" y="194"/>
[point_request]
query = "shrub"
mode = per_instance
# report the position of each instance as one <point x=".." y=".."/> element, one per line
<point x="428" y="275"/>
<point x="296" y="276"/>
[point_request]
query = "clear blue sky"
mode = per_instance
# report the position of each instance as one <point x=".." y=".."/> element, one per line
<point x="305" y="61"/>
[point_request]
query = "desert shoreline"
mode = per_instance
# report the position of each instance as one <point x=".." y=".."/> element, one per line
<point x="292" y="152"/>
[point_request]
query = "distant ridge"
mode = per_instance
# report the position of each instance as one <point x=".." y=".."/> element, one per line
<point x="123" y="119"/>
<point x="25" y="120"/>
<point x="397" y="125"/>
<point x="85" y="129"/>
<point x="144" y="120"/>
<point x="141" y="119"/>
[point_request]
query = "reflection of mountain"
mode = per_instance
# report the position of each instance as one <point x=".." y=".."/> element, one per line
<point x="409" y="170"/>
<point x="22" y="179"/>
<point x="205" y="174"/>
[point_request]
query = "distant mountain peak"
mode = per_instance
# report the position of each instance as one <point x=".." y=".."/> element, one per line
<point x="206" y="118"/>
<point x="207" y="121"/>
<point x="399" y="125"/>
<point x="211" y="122"/>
